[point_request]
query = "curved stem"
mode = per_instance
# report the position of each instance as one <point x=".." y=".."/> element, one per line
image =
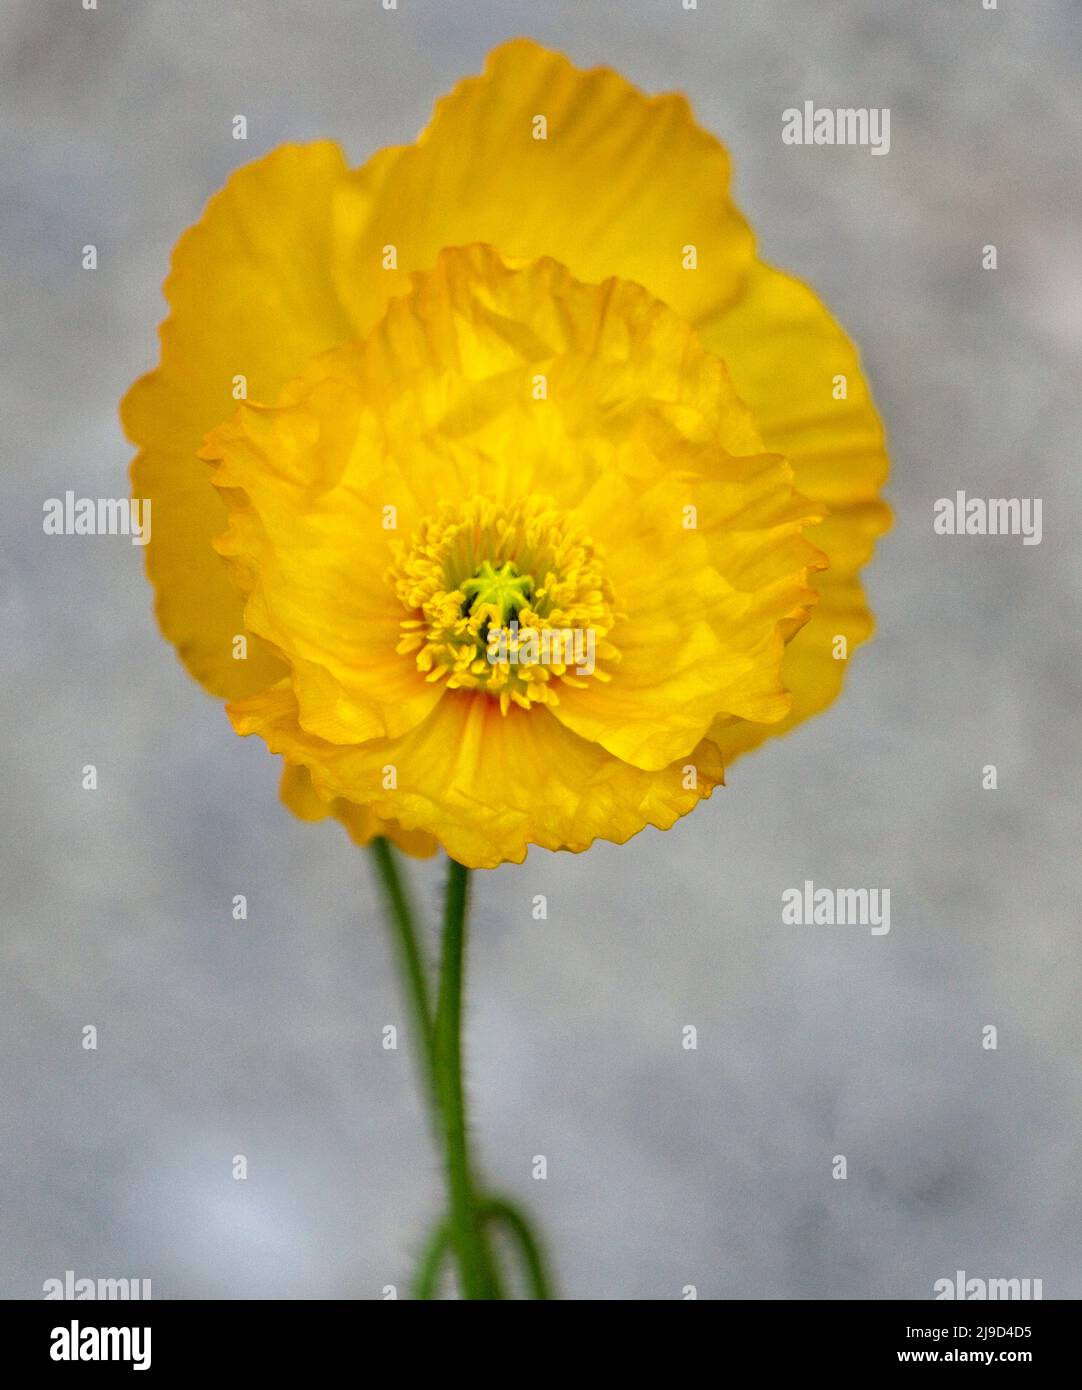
<point x="428" y="1272"/>
<point x="409" y="953"/>
<point x="476" y="1267"/>
<point x="499" y="1209"/>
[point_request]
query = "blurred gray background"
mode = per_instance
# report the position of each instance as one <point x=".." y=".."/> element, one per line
<point x="666" y="1167"/>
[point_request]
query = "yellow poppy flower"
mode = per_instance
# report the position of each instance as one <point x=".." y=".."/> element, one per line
<point x="540" y="507"/>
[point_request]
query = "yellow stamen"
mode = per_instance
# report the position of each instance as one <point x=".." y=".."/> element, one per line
<point x="512" y="600"/>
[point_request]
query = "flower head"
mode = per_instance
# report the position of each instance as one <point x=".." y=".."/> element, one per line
<point x="541" y="505"/>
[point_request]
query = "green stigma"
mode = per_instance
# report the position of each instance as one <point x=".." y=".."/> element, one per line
<point x="505" y="589"/>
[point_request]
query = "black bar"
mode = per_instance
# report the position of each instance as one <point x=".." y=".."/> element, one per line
<point x="249" y="1337"/>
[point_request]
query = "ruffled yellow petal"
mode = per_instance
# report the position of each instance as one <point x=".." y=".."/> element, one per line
<point x="486" y="785"/>
<point x="250" y="295"/>
<point x="621" y="185"/>
<point x="702" y="632"/>
<point x="785" y="353"/>
<point x="307" y="486"/>
<point x="361" y="822"/>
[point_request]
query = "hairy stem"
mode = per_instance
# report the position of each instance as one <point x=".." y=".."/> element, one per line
<point x="464" y="1233"/>
<point x="477" y="1271"/>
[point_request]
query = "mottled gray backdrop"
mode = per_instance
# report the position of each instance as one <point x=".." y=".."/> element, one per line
<point x="665" y="1167"/>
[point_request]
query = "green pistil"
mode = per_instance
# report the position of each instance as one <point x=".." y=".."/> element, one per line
<point x="505" y="589"/>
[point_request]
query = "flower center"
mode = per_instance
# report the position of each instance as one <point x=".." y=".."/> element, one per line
<point x="504" y="589"/>
<point x="511" y="600"/>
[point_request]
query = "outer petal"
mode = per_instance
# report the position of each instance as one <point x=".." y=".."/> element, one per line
<point x="487" y="785"/>
<point x="621" y="184"/>
<point x="250" y="295"/>
<point x="784" y="351"/>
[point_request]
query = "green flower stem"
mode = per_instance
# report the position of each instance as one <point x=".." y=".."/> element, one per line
<point x="477" y="1269"/>
<point x="428" y="1271"/>
<point x="464" y="1233"/>
<point x="500" y="1210"/>
<point x="409" y="953"/>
